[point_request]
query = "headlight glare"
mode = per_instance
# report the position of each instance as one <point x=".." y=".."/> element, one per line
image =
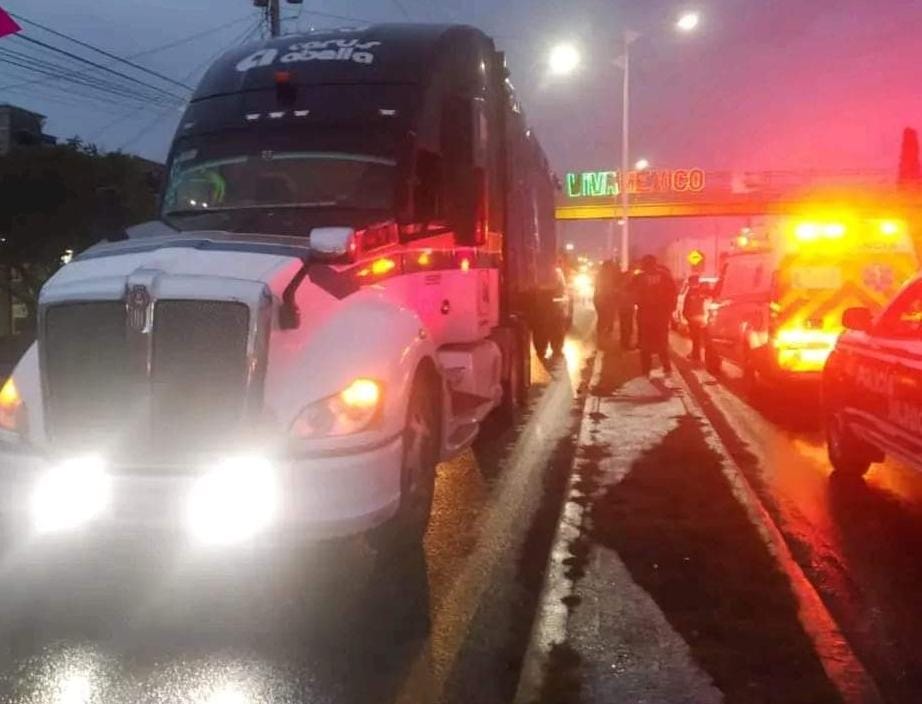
<point x="233" y="501"/>
<point x="70" y="494"/>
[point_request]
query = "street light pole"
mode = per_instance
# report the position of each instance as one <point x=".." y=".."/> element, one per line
<point x="625" y="156"/>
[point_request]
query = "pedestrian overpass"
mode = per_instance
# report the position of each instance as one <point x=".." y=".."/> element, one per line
<point x="672" y="193"/>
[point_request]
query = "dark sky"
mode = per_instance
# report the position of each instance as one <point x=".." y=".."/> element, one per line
<point x="763" y="84"/>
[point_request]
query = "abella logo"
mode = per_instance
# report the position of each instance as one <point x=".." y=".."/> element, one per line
<point x="319" y="50"/>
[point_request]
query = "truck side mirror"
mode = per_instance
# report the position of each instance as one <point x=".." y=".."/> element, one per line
<point x="859" y="319"/>
<point x="333" y="242"/>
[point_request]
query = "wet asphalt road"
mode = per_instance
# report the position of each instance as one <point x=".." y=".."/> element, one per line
<point x="859" y="542"/>
<point x="131" y="620"/>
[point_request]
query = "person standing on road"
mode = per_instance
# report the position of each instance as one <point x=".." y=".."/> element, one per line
<point x="655" y="292"/>
<point x="604" y="299"/>
<point x="625" y="303"/>
<point x="693" y="312"/>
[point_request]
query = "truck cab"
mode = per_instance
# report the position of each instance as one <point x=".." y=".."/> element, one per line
<point x="355" y="226"/>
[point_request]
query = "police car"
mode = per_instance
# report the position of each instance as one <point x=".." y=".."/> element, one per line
<point x="873" y="386"/>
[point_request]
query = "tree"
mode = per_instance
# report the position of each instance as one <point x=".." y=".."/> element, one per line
<point x="53" y="200"/>
<point x="910" y="173"/>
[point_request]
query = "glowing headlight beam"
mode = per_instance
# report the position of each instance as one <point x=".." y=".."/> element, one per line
<point x="70" y="495"/>
<point x="233" y="501"/>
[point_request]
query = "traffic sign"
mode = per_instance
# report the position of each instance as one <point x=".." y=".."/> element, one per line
<point x="696" y="257"/>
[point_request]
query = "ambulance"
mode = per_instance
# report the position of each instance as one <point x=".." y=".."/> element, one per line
<point x="777" y="307"/>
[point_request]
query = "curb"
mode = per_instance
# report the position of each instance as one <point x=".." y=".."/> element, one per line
<point x="842" y="666"/>
<point x="550" y="619"/>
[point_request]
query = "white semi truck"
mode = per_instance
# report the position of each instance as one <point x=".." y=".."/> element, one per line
<point x="357" y="237"/>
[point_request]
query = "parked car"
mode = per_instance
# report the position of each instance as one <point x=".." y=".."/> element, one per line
<point x="679" y="323"/>
<point x="872" y="386"/>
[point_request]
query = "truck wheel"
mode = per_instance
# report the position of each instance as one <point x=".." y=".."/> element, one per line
<point x="417" y="478"/>
<point x="712" y="361"/>
<point x="848" y="455"/>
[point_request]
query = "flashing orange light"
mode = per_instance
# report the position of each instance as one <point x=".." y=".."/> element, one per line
<point x="382" y="266"/>
<point x="361" y="394"/>
<point x="806" y="232"/>
<point x="742" y="241"/>
<point x="889" y="227"/>
<point x="11" y="406"/>
<point x="424" y="259"/>
<point x="379" y="267"/>
<point x="803" y="349"/>
<point x="834" y="230"/>
<point x="465" y="264"/>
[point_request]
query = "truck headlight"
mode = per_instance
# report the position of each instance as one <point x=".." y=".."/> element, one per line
<point x="233" y="501"/>
<point x="70" y="495"/>
<point x="349" y="411"/>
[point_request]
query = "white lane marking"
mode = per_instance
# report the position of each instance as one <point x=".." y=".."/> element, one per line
<point x="839" y="661"/>
<point x="638" y="416"/>
<point x="512" y="502"/>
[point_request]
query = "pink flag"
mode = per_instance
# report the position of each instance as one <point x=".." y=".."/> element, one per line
<point x="7" y="24"/>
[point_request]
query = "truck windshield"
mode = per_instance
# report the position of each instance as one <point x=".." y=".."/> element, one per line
<point x="271" y="180"/>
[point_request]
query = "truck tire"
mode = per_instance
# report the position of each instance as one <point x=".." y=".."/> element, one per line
<point x="417" y="478"/>
<point x="849" y="456"/>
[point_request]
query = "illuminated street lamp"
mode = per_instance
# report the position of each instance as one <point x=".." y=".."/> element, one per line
<point x="688" y="21"/>
<point x="563" y="59"/>
<point x="570" y="246"/>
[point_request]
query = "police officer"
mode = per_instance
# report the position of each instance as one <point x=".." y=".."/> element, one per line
<point x="625" y="304"/>
<point x="655" y="294"/>
<point x="693" y="312"/>
<point x="604" y="299"/>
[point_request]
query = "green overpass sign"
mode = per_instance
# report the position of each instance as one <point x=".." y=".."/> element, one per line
<point x="599" y="184"/>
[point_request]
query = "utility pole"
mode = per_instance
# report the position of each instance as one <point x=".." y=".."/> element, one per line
<point x="275" y="23"/>
<point x="625" y="155"/>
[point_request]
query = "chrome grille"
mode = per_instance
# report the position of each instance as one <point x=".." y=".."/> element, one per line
<point x="87" y="370"/>
<point x="198" y="368"/>
<point x="179" y="388"/>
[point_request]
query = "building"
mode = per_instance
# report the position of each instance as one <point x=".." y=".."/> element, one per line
<point x="20" y="128"/>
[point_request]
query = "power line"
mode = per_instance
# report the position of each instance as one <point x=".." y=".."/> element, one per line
<point x="103" y="52"/>
<point x="101" y="67"/>
<point x="207" y="62"/>
<point x="42" y="66"/>
<point x="146" y="52"/>
<point x="111" y="90"/>
<point x="191" y="37"/>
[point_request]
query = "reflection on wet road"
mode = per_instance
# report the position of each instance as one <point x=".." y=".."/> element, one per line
<point x="859" y="542"/>
<point x="131" y="621"/>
